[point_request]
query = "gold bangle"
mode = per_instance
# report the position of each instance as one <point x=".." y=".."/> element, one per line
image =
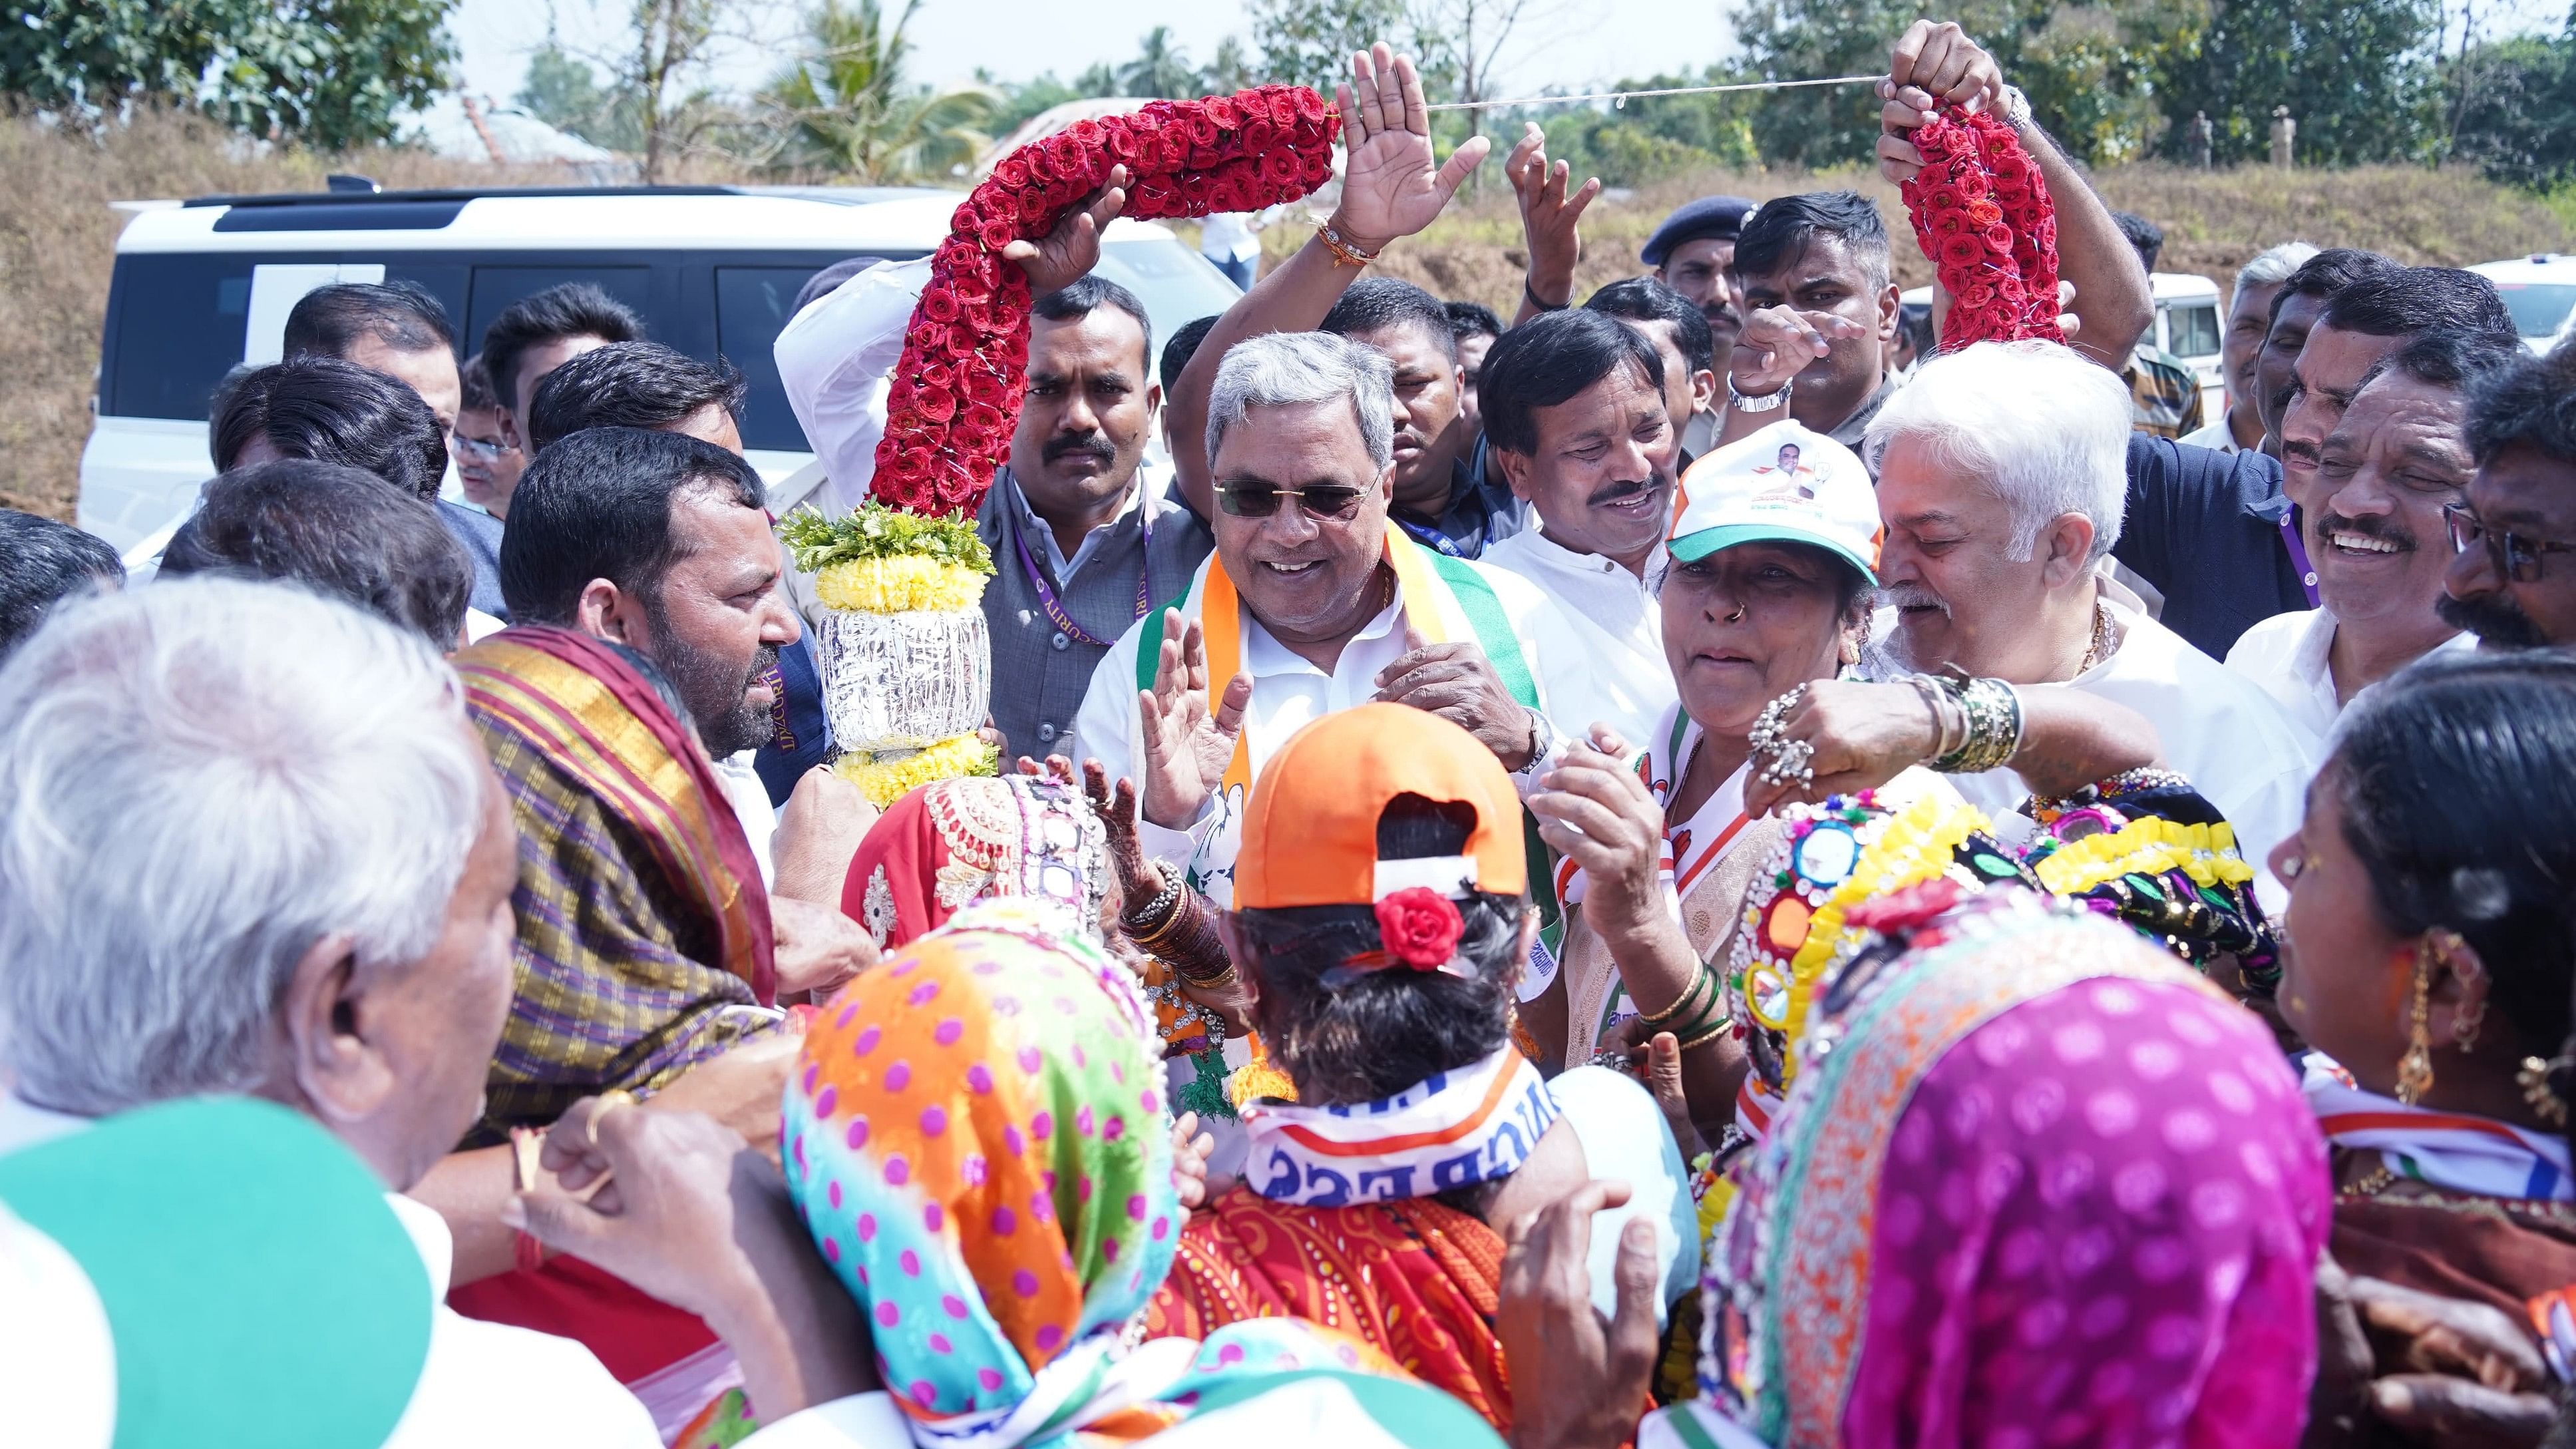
<point x="1658" y="1018"/>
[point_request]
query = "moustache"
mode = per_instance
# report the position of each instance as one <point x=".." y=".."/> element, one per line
<point x="2386" y="529"/>
<point x="1909" y="596"/>
<point x="1090" y="445"/>
<point x="2493" y="618"/>
<point x="762" y="662"/>
<point x="1629" y="488"/>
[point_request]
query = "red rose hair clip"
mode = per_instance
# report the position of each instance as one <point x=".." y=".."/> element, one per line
<point x="1981" y="212"/>
<point x="955" y="397"/>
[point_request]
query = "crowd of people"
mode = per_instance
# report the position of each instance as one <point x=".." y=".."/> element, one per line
<point x="1685" y="868"/>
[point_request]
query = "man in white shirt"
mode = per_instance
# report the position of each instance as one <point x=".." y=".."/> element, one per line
<point x="1575" y="409"/>
<point x="2397" y="457"/>
<point x="1310" y="604"/>
<point x="2249" y="321"/>
<point x="2002" y="469"/>
<point x="303" y="894"/>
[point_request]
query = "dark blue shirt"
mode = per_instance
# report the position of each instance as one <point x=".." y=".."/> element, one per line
<point x="1481" y="511"/>
<point x="2204" y="527"/>
<point x="480" y="532"/>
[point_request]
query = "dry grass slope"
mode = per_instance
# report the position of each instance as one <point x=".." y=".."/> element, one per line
<point x="58" y="236"/>
<point x="58" y="245"/>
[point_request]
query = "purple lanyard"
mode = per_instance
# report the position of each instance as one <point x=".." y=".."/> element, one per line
<point x="2298" y="548"/>
<point x="1054" y="607"/>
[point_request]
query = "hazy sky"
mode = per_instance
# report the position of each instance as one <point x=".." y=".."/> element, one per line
<point x="1586" y="40"/>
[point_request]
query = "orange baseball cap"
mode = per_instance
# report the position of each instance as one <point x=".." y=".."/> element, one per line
<point x="1310" y="832"/>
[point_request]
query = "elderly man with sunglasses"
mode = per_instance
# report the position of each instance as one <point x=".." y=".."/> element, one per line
<point x="1311" y="604"/>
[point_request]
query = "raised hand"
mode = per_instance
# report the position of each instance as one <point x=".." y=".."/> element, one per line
<point x="1390" y="188"/>
<point x="1578" y="1380"/>
<point x="1187" y="743"/>
<point x="1864" y="735"/>
<point x="1778" y="343"/>
<point x="1939" y="63"/>
<point x="1594" y="810"/>
<point x="1139" y="879"/>
<point x="1548" y="216"/>
<point x="1061" y="258"/>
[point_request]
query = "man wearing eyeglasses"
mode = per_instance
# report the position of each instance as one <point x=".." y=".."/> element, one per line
<point x="2513" y="580"/>
<point x="2374" y="495"/>
<point x="1312" y="604"/>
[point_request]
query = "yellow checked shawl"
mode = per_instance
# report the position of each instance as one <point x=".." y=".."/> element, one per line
<point x="643" y="943"/>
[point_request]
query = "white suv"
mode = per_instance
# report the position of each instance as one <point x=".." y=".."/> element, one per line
<point x="205" y="285"/>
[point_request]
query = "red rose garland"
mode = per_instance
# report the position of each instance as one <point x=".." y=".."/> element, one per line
<point x="1982" y="214"/>
<point x="956" y="393"/>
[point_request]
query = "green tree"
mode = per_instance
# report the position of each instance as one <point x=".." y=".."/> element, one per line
<point x="2513" y="105"/>
<point x="327" y="73"/>
<point x="564" y="91"/>
<point x="2358" y="75"/>
<point x="1309" y="42"/>
<point x="1159" y="69"/>
<point x="845" y="106"/>
<point x="2091" y="69"/>
<point x="1230" y="70"/>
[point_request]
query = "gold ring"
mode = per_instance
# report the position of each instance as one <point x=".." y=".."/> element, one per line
<point x="608" y="1102"/>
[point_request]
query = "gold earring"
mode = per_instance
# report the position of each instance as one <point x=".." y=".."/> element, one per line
<point x="2446" y="947"/>
<point x="2545" y="1102"/>
<point x="2415" y="1069"/>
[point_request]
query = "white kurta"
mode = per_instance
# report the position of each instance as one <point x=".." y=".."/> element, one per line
<point x="1616" y="620"/>
<point x="1288" y="693"/>
<point x="2236" y="746"/>
<point x="482" y="1383"/>
<point x="2286" y="657"/>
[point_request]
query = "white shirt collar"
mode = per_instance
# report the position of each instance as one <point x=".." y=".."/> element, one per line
<point x="1264" y="655"/>
<point x="1034" y="527"/>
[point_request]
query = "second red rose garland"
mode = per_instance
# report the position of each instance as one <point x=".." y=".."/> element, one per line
<point x="956" y="392"/>
<point x="1982" y="214"/>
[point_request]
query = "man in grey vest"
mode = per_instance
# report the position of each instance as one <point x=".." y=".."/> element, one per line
<point x="1085" y="533"/>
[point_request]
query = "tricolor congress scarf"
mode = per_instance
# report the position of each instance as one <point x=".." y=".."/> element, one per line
<point x="1456" y="1129"/>
<point x="2450" y="1150"/>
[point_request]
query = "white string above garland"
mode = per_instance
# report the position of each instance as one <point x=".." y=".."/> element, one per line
<point x="1621" y="98"/>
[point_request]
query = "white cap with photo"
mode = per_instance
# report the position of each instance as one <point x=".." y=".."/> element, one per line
<point x="1783" y="484"/>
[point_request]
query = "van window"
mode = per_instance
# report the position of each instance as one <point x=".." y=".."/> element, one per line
<point x="2194" y="330"/>
<point x="178" y="330"/>
<point x="751" y="308"/>
<point x="1176" y="284"/>
<point x="495" y="288"/>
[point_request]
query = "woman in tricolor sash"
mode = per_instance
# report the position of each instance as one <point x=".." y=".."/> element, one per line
<point x="1766" y="601"/>
<point x="1381" y="920"/>
<point x="2432" y="941"/>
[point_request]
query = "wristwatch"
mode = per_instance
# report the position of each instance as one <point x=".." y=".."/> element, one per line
<point x="1743" y="404"/>
<point x="2015" y="109"/>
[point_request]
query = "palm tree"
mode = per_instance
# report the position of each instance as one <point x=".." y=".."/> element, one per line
<point x="1159" y="68"/>
<point x="844" y="107"/>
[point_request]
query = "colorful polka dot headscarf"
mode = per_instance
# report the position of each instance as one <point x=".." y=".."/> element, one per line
<point x="977" y="1138"/>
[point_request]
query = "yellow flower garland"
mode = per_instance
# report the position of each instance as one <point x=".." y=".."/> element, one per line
<point x="2147" y="846"/>
<point x="886" y="781"/>
<point x="897" y="584"/>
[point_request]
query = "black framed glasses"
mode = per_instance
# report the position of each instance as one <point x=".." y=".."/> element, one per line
<point x="2517" y="556"/>
<point x="1331" y="501"/>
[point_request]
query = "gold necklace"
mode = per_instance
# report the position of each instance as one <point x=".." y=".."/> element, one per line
<point x="2100" y="647"/>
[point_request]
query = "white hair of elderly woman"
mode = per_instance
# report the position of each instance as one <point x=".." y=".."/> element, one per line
<point x="2047" y="430"/>
<point x="1284" y="369"/>
<point x="200" y="779"/>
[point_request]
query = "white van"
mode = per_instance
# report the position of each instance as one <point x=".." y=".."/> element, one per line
<point x="2540" y="291"/>
<point x="2187" y="324"/>
<point x="205" y="285"/>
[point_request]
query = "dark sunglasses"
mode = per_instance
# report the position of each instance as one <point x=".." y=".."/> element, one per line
<point x="2516" y="556"/>
<point x="1260" y="500"/>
